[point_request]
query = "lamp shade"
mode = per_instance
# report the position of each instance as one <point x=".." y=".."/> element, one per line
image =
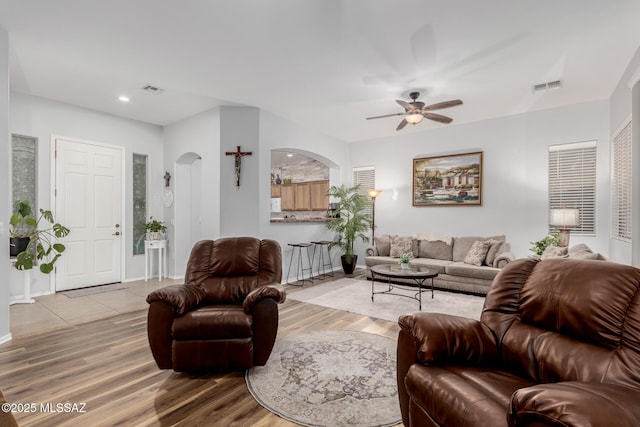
<point x="374" y="193"/>
<point x="564" y="217"/>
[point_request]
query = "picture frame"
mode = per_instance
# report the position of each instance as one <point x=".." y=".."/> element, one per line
<point x="448" y="180"/>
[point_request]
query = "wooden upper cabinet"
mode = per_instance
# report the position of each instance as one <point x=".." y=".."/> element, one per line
<point x="319" y="197"/>
<point x="303" y="196"/>
<point x="287" y="195"/>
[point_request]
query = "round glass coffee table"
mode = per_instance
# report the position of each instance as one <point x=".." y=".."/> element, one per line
<point x="393" y="271"/>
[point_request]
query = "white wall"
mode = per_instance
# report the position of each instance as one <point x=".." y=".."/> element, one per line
<point x="279" y="133"/>
<point x="239" y="126"/>
<point x="514" y="174"/>
<point x="620" y="110"/>
<point x="199" y="134"/>
<point x="5" y="184"/>
<point x="41" y="118"/>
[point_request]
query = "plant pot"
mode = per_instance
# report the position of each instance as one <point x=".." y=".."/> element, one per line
<point x="349" y="267"/>
<point x="404" y="265"/>
<point x="17" y="245"/>
<point x="154" y="235"/>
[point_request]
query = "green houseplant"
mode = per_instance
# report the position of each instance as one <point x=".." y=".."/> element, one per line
<point x="349" y="222"/>
<point x="43" y="234"/>
<point x="539" y="246"/>
<point x="20" y="225"/>
<point x="154" y="229"/>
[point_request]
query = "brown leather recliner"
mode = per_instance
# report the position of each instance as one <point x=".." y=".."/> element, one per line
<point x="225" y="316"/>
<point x="557" y="344"/>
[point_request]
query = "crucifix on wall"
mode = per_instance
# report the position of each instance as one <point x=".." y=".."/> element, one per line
<point x="238" y="161"/>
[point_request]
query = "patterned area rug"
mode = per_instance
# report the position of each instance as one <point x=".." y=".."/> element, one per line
<point x="330" y="378"/>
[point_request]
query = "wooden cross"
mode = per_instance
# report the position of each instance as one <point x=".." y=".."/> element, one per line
<point x="238" y="161"/>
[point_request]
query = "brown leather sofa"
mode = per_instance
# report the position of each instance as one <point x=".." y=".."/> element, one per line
<point x="225" y="316"/>
<point x="557" y="344"/>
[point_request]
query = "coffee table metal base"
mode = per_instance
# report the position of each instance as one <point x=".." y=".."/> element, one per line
<point x="418" y="278"/>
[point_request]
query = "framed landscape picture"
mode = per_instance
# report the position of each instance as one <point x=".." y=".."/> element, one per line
<point x="450" y="180"/>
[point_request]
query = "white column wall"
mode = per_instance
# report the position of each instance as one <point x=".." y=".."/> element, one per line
<point x="5" y="185"/>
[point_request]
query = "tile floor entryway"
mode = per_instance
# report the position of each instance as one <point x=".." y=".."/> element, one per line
<point x="58" y="310"/>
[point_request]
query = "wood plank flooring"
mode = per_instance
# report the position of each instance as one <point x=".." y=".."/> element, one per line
<point x="108" y="366"/>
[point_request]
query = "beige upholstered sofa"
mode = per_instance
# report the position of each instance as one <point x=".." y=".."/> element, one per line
<point x="447" y="255"/>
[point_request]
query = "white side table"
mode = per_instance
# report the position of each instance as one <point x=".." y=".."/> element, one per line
<point x="26" y="293"/>
<point x="161" y="246"/>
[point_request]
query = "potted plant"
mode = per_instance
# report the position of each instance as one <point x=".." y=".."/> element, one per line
<point x="349" y="222"/>
<point x="43" y="234"/>
<point x="538" y="247"/>
<point x="20" y="225"/>
<point x="154" y="229"/>
<point x="404" y="260"/>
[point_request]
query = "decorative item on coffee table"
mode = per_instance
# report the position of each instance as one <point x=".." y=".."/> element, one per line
<point x="405" y="260"/>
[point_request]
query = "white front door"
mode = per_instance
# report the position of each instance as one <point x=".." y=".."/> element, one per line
<point x="88" y="202"/>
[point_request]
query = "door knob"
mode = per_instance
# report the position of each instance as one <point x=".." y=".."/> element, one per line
<point x="117" y="233"/>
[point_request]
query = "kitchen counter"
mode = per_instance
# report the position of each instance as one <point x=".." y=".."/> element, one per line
<point x="311" y="219"/>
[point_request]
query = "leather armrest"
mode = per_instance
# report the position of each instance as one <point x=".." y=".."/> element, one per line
<point x="442" y="338"/>
<point x="371" y="251"/>
<point x="503" y="259"/>
<point x="574" y="403"/>
<point x="181" y="298"/>
<point x="274" y="290"/>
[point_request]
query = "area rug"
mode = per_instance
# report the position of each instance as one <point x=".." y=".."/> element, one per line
<point x="92" y="290"/>
<point x="355" y="296"/>
<point x="330" y="378"/>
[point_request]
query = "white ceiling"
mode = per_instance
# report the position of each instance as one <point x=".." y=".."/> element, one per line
<point x="326" y="64"/>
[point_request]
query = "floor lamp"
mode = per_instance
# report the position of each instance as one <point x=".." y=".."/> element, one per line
<point x="373" y="194"/>
<point x="564" y="218"/>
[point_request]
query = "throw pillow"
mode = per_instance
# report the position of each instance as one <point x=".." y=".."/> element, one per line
<point x="494" y="250"/>
<point x="400" y="245"/>
<point x="435" y="249"/>
<point x="477" y="253"/>
<point x="554" y="252"/>
<point x="383" y="244"/>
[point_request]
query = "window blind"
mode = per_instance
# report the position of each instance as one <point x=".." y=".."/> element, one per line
<point x="621" y="185"/>
<point x="572" y="182"/>
<point x="366" y="177"/>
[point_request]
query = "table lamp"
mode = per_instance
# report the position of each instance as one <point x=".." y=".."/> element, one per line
<point x="564" y="218"/>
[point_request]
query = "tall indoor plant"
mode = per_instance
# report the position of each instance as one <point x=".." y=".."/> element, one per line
<point x="43" y="234"/>
<point x="350" y="222"/>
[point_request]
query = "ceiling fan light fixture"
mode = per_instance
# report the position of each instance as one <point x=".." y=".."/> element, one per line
<point x="414" y="118"/>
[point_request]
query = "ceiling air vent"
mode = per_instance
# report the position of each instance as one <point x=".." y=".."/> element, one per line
<point x="152" y="89"/>
<point x="556" y="84"/>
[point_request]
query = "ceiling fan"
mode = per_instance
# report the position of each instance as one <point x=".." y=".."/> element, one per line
<point x="415" y="111"/>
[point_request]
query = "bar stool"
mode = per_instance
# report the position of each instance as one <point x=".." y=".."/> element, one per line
<point x="322" y="263"/>
<point x="300" y="269"/>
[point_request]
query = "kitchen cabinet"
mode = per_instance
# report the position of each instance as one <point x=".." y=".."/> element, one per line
<point x="302" y="196"/>
<point x="319" y="197"/>
<point x="287" y="195"/>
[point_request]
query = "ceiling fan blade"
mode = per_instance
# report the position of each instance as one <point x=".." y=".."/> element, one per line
<point x="402" y="124"/>
<point x="440" y="105"/>
<point x="437" y="117"/>
<point x="404" y="104"/>
<point x="386" y="115"/>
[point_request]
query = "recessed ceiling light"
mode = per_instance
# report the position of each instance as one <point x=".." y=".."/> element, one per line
<point x="124" y="98"/>
<point x="290" y="155"/>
